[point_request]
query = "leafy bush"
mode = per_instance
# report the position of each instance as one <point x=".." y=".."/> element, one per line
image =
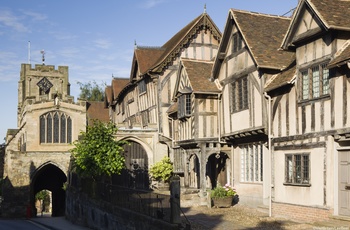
<point x="162" y="170"/>
<point x="97" y="152"/>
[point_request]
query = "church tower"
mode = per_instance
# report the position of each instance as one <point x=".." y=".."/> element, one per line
<point x="37" y="153"/>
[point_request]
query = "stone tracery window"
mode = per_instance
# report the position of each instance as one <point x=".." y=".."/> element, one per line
<point x="55" y="127"/>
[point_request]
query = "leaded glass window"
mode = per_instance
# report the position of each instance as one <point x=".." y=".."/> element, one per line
<point x="297" y="169"/>
<point x="251" y="163"/>
<point x="239" y="94"/>
<point x="55" y="127"/>
<point x="315" y="82"/>
<point x="63" y="129"/>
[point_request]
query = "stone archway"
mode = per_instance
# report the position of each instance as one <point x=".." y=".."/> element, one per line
<point x="217" y="169"/>
<point x="50" y="177"/>
<point x="135" y="175"/>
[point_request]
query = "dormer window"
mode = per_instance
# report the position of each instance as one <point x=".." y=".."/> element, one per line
<point x="185" y="103"/>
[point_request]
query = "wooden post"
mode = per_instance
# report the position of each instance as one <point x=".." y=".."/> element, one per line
<point x="175" y="200"/>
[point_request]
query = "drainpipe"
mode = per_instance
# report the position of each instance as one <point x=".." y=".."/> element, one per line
<point x="270" y="151"/>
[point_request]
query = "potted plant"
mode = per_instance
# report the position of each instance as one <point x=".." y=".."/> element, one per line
<point x="224" y="196"/>
<point x="161" y="172"/>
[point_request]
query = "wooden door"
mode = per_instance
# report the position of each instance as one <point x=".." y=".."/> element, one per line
<point x="344" y="183"/>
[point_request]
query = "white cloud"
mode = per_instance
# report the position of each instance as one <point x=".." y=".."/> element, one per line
<point x="102" y="43"/>
<point x="70" y="52"/>
<point x="62" y="35"/>
<point x="34" y="16"/>
<point x="9" y="20"/>
<point x="152" y="3"/>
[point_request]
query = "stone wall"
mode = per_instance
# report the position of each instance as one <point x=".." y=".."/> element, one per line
<point x="101" y="215"/>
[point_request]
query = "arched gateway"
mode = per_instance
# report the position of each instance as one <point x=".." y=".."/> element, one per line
<point x="50" y="177"/>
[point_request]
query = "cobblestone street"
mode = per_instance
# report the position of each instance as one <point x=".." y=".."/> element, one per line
<point x="242" y="217"/>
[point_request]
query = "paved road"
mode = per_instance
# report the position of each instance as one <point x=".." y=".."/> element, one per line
<point x="20" y="225"/>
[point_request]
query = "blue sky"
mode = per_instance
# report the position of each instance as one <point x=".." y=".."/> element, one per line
<point x="96" y="38"/>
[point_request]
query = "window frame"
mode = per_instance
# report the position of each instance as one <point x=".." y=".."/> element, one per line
<point x="142" y="86"/>
<point x="291" y="171"/>
<point x="251" y="163"/>
<point x="185" y="105"/>
<point x="51" y="128"/>
<point x="236" y="42"/>
<point x="239" y="94"/>
<point x="314" y="82"/>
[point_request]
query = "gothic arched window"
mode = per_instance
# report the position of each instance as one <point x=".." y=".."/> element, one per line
<point x="55" y="127"/>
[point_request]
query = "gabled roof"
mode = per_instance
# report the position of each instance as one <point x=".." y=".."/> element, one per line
<point x="263" y="35"/>
<point x="198" y="72"/>
<point x="118" y="85"/>
<point x="108" y="95"/>
<point x="284" y="78"/>
<point x="342" y="56"/>
<point x="331" y="14"/>
<point x="146" y="57"/>
<point x="180" y="40"/>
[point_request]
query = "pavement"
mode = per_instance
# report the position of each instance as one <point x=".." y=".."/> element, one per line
<point x="47" y="222"/>
<point x="202" y="219"/>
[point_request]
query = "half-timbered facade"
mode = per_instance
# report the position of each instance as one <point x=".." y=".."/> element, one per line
<point x="140" y="109"/>
<point x="195" y="130"/>
<point x="247" y="56"/>
<point x="311" y="148"/>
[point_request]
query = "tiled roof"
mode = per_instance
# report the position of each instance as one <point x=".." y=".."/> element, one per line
<point x="333" y="12"/>
<point x="117" y="86"/>
<point x="173" y="46"/>
<point x="263" y="35"/>
<point x="281" y="79"/>
<point x="108" y="94"/>
<point x="147" y="56"/>
<point x="342" y="56"/>
<point x="173" y="108"/>
<point x="95" y="110"/>
<point x="199" y="73"/>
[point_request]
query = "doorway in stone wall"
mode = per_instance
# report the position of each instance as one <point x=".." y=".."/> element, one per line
<point x="344" y="183"/>
<point x="193" y="173"/>
<point x="49" y="179"/>
<point x="217" y="169"/>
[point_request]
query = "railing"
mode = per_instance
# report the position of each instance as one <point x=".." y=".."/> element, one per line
<point x="144" y="202"/>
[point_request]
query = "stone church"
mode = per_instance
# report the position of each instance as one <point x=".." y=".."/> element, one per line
<point x="37" y="152"/>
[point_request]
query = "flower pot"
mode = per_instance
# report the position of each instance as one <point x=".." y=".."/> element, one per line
<point x="222" y="202"/>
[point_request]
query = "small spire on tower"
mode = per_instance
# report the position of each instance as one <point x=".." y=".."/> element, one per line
<point x="205" y="8"/>
<point x="43" y="56"/>
<point x="135" y="44"/>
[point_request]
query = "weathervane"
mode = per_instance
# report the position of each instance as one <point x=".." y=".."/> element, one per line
<point x="43" y="56"/>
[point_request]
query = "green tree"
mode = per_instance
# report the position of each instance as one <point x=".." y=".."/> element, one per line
<point x="97" y="152"/>
<point x="91" y="91"/>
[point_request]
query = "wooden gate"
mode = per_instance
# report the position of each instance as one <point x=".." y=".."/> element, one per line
<point x="136" y="173"/>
